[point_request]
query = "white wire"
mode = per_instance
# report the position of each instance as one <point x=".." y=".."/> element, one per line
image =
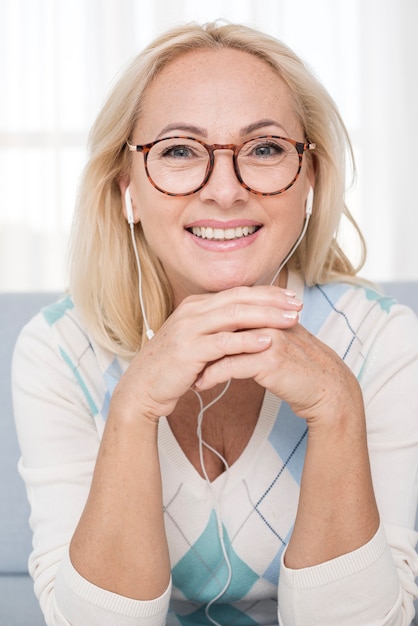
<point x="293" y="248"/>
<point x="202" y="443"/>
<point x="148" y="331"/>
<point x="216" y="496"/>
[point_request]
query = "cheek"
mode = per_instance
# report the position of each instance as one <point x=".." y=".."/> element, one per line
<point x="160" y="217"/>
<point x="288" y="212"/>
<point x="151" y="204"/>
<point x="140" y="189"/>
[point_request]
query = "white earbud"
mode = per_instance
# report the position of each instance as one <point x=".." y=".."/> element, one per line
<point x="128" y="207"/>
<point x="309" y="202"/>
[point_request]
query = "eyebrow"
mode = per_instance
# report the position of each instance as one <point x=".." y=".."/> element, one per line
<point x="246" y="130"/>
<point x="187" y="128"/>
<point x="196" y="130"/>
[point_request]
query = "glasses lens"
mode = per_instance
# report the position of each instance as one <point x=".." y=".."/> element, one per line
<point x="177" y="165"/>
<point x="268" y="164"/>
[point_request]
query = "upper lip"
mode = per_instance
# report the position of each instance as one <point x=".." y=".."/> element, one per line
<point x="211" y="223"/>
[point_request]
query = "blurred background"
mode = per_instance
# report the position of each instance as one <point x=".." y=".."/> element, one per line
<point x="58" y="59"/>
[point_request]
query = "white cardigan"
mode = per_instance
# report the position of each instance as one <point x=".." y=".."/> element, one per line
<point x="63" y="382"/>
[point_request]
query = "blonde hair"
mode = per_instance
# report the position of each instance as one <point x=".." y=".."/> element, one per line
<point x="103" y="273"/>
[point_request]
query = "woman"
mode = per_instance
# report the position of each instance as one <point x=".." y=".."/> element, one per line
<point x="207" y="421"/>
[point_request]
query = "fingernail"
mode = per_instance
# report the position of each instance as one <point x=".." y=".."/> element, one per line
<point x="295" y="301"/>
<point x="290" y="292"/>
<point x="264" y="339"/>
<point x="290" y="315"/>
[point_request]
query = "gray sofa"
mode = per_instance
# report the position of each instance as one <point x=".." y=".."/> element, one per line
<point x="18" y="605"/>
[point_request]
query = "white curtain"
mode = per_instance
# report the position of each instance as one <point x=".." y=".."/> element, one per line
<point x="58" y="59"/>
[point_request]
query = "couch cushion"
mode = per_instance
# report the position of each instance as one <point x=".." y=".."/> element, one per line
<point x="18" y="606"/>
<point x="404" y="291"/>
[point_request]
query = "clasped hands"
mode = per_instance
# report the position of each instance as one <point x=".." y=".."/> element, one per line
<point x="239" y="333"/>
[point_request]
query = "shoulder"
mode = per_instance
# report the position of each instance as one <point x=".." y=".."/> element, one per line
<point x="356" y="306"/>
<point x="355" y="318"/>
<point x="54" y="325"/>
<point x="54" y="354"/>
<point x="59" y="328"/>
<point x="355" y="301"/>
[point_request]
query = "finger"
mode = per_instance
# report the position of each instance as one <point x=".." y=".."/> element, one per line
<point x="260" y="295"/>
<point x="232" y="343"/>
<point x="233" y="309"/>
<point x="239" y="367"/>
<point x="233" y="316"/>
<point x="193" y="356"/>
<point x="264" y="366"/>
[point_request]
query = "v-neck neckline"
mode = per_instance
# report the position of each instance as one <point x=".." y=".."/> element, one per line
<point x="170" y="448"/>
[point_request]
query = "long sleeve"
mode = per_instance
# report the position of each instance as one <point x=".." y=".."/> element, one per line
<point x="62" y="386"/>
<point x="59" y="397"/>
<point x="375" y="584"/>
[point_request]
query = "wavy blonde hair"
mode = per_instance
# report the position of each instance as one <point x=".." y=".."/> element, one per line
<point x="103" y="273"/>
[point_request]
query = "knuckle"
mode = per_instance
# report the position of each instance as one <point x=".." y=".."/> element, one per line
<point x="239" y="291"/>
<point x="223" y="340"/>
<point x="233" y="311"/>
<point x="192" y="299"/>
<point x="226" y="364"/>
<point x="186" y="305"/>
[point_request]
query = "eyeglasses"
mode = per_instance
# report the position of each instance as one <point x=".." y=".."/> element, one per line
<point x="181" y="166"/>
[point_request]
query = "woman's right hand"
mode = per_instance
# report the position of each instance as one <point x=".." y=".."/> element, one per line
<point x="201" y="330"/>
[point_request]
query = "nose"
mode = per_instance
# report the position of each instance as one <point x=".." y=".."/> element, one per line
<point x="223" y="187"/>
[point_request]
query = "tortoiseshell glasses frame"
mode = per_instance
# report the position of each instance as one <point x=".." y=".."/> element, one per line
<point x="298" y="149"/>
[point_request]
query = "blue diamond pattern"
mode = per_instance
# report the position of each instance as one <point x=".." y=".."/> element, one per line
<point x="111" y="377"/>
<point x="318" y="303"/>
<point x="272" y="573"/>
<point x="288" y="438"/>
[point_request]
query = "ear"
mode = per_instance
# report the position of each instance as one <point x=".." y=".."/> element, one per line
<point x="127" y="204"/>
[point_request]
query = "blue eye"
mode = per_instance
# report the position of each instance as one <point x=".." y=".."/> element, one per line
<point x="177" y="152"/>
<point x="268" y="149"/>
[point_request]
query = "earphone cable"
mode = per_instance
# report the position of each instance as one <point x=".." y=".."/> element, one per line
<point x="148" y="331"/>
<point x="215" y="496"/>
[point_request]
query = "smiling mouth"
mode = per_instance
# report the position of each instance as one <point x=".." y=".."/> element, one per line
<point x="223" y="234"/>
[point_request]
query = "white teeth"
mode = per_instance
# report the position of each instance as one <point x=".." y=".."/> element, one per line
<point x="221" y="233"/>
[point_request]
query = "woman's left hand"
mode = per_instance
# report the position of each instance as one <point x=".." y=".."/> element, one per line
<point x="298" y="368"/>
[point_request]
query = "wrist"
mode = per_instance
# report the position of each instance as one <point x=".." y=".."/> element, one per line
<point x="135" y="404"/>
<point x="132" y="415"/>
<point x="339" y="409"/>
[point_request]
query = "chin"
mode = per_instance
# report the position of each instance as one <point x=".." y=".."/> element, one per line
<point x="229" y="283"/>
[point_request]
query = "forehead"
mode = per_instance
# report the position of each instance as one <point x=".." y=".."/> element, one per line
<point x="215" y="90"/>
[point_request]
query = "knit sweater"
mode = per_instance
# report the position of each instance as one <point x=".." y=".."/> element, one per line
<point x="62" y="385"/>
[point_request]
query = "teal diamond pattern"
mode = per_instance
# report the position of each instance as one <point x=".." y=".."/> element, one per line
<point x="202" y="572"/>
<point x="385" y="302"/>
<point x="55" y="311"/>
